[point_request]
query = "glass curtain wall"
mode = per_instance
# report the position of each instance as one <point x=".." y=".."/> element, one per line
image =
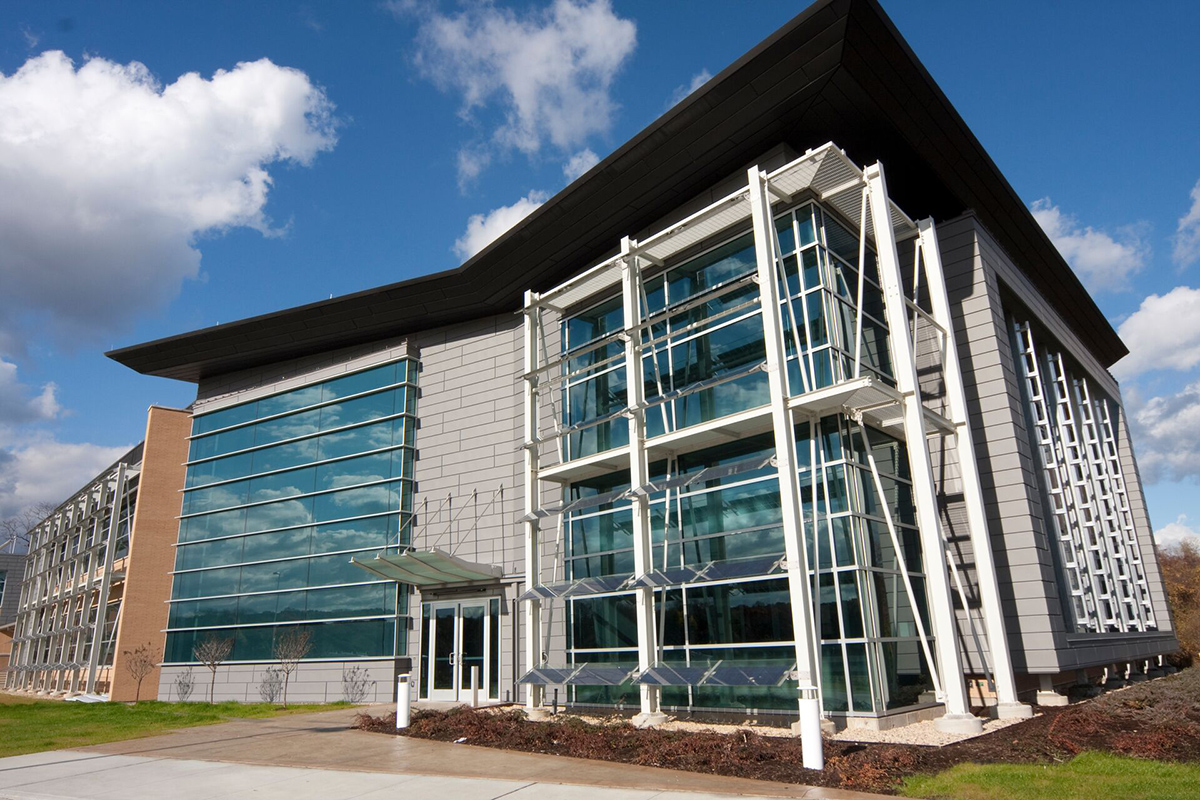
<point x="281" y="492"/>
<point x="871" y="656"/>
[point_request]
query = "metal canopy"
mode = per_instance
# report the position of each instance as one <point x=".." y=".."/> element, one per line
<point x="580" y="675"/>
<point x="428" y="569"/>
<point x="719" y="674"/>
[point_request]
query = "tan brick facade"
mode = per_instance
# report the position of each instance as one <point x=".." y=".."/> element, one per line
<point x="151" y="552"/>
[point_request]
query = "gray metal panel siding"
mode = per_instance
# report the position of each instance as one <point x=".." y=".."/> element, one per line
<point x="470" y="469"/>
<point x="14" y="566"/>
<point x="1021" y="558"/>
<point x="1039" y="631"/>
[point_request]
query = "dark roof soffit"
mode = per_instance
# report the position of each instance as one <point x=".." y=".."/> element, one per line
<point x="840" y="71"/>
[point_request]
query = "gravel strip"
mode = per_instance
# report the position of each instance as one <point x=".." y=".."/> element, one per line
<point x="919" y="733"/>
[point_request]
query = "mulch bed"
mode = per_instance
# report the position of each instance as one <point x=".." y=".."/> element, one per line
<point x="1156" y="720"/>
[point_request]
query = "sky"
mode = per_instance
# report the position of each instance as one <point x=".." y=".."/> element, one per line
<point x="169" y="166"/>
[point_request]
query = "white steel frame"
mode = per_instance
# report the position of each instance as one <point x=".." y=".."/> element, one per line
<point x="58" y="643"/>
<point x="1085" y="487"/>
<point x="831" y="178"/>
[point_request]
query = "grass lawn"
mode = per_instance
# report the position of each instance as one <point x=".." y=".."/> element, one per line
<point x="28" y="725"/>
<point x="1089" y="776"/>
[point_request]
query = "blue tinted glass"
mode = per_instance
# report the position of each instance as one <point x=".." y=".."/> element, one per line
<point x="285" y="455"/>
<point x="273" y="575"/>
<point x="289" y="427"/>
<point x="363" y="469"/>
<point x="280" y="485"/>
<point x="220" y="443"/>
<point x="224" y="418"/>
<point x="289" y="401"/>
<point x="331" y="570"/>
<point x="360" y="382"/>
<point x="355" y="534"/>
<point x="355" y="440"/>
<point x="278" y="544"/>
<point x="377" y="499"/>
<point x="221" y="469"/>
<point x="360" y="409"/>
<point x="279" y="515"/>
<point x="226" y="495"/>
<point x="222" y="523"/>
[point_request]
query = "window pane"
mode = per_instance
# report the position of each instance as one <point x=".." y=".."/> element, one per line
<point x="361" y="409"/>
<point x="363" y="381"/>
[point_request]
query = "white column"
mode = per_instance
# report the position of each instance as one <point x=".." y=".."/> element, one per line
<point x="958" y="715"/>
<point x="639" y="476"/>
<point x="105" y="582"/>
<point x="789" y="487"/>
<point x="533" y="561"/>
<point x="1007" y="705"/>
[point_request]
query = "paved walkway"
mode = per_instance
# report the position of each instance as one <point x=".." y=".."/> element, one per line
<point x="317" y="756"/>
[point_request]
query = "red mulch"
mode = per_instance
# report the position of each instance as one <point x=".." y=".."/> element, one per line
<point x="1156" y="720"/>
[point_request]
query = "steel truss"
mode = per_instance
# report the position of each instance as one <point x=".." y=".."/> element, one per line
<point x="859" y="196"/>
<point x="67" y="617"/>
<point x="1084" y="485"/>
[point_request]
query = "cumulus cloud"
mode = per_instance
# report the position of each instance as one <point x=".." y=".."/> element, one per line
<point x="1166" y="433"/>
<point x="1176" y="532"/>
<point x="19" y="404"/>
<point x="109" y="177"/>
<point x="699" y="79"/>
<point x="1164" y="333"/>
<point x="45" y="470"/>
<point x="580" y="163"/>
<point x="1102" y="261"/>
<point x="543" y="77"/>
<point x="1187" y="235"/>
<point x="483" y="229"/>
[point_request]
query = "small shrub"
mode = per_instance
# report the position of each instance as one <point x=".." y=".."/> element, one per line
<point x="356" y="681"/>
<point x="185" y="684"/>
<point x="271" y="685"/>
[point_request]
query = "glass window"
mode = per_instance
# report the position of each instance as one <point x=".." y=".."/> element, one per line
<point x="605" y="622"/>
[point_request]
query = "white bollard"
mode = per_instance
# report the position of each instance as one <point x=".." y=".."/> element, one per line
<point x="474" y="687"/>
<point x="403" y="701"/>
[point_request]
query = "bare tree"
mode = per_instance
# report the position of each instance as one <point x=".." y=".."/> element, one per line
<point x="14" y="530"/>
<point x="290" y="648"/>
<point x="139" y="663"/>
<point x="211" y="651"/>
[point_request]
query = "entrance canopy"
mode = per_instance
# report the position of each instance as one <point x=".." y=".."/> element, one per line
<point x="429" y="569"/>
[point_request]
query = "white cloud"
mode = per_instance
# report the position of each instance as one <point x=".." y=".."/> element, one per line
<point x="1187" y="235"/>
<point x="483" y="229"/>
<point x="1166" y="434"/>
<point x="109" y="177"/>
<point x="1103" y="263"/>
<point x="1176" y="532"/>
<point x="1164" y="333"/>
<point x="18" y="404"/>
<point x="699" y="79"/>
<point x="31" y="38"/>
<point x="45" y="470"/>
<point x="580" y="163"/>
<point x="547" y="74"/>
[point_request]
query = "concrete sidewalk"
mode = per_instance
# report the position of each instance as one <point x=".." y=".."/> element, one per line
<point x="318" y="756"/>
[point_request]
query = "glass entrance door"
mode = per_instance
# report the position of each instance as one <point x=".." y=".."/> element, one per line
<point x="458" y="640"/>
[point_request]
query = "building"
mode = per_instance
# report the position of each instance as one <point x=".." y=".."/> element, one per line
<point x="97" y="576"/>
<point x="12" y="572"/>
<point x="788" y="406"/>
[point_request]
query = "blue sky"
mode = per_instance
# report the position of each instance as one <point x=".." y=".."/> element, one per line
<point x="135" y="205"/>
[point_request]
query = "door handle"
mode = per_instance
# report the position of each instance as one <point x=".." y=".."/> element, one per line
<point x="452" y="657"/>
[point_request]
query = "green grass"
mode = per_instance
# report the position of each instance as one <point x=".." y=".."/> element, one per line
<point x="1089" y="776"/>
<point x="31" y="726"/>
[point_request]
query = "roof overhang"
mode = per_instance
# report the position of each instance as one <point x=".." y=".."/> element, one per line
<point x="840" y="71"/>
<point x="429" y="569"/>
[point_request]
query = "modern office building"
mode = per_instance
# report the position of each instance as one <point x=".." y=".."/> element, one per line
<point x="788" y="407"/>
<point x="97" y="577"/>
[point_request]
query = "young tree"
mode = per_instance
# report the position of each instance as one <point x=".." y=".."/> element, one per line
<point x="290" y="648"/>
<point x="211" y="651"/>
<point x="139" y="663"/>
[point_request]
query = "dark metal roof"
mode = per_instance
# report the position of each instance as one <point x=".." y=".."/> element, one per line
<point x="840" y="71"/>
